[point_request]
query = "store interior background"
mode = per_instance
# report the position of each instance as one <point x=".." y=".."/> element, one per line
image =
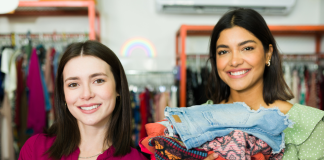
<point x="122" y="20"/>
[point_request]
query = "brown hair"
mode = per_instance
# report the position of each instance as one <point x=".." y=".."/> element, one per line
<point x="65" y="127"/>
<point x="274" y="86"/>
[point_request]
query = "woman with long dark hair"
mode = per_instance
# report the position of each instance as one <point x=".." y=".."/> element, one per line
<point x="92" y="109"/>
<point x="246" y="67"/>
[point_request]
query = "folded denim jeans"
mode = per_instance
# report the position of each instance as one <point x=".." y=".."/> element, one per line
<point x="201" y="123"/>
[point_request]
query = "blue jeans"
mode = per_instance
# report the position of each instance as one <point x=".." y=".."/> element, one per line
<point x="199" y="124"/>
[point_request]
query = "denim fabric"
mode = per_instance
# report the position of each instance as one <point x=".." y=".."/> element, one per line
<point x="199" y="124"/>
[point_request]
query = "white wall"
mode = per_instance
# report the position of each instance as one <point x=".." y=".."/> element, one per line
<point x="44" y="24"/>
<point x="322" y="12"/>
<point x="125" y="19"/>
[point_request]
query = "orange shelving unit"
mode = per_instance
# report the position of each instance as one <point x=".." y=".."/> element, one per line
<point x="195" y="30"/>
<point x="61" y="8"/>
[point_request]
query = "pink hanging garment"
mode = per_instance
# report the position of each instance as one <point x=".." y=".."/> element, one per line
<point x="36" y="102"/>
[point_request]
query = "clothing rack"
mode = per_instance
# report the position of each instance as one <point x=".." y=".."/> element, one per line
<point x="139" y="72"/>
<point x="283" y="56"/>
<point x="20" y="38"/>
<point x="205" y="30"/>
<point x="159" y="80"/>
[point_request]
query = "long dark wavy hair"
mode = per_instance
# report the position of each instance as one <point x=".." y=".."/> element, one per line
<point x="274" y="85"/>
<point x="65" y="127"/>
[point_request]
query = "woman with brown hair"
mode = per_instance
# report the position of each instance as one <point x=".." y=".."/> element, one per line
<point x="246" y="67"/>
<point x="92" y="109"/>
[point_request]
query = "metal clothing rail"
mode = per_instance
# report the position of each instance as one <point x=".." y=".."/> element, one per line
<point x="17" y="39"/>
<point x="205" y="30"/>
<point x="283" y="56"/>
<point x="139" y="72"/>
<point x="47" y="35"/>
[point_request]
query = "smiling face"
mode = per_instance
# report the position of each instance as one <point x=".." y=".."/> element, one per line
<point x="90" y="90"/>
<point x="241" y="59"/>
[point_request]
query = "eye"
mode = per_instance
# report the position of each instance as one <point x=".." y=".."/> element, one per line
<point x="73" y="85"/>
<point x="222" y="52"/>
<point x="248" y="48"/>
<point x="99" y="81"/>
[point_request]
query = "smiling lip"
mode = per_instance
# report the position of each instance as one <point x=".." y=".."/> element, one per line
<point x="238" y="70"/>
<point x="89" y="105"/>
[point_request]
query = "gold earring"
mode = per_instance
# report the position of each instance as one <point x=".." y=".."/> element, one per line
<point x="268" y="63"/>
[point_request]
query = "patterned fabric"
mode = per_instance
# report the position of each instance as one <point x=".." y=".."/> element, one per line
<point x="167" y="147"/>
<point x="240" y="145"/>
<point x="237" y="145"/>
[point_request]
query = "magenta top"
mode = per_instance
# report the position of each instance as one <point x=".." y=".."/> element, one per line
<point x="37" y="145"/>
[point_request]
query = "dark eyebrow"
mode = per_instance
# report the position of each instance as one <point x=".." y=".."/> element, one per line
<point x="222" y="46"/>
<point x="98" y="74"/>
<point x="245" y="42"/>
<point x="71" y="78"/>
<point x="91" y="76"/>
<point x="240" y="44"/>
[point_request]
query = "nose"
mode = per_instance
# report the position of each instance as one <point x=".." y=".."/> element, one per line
<point x="86" y="93"/>
<point x="236" y="59"/>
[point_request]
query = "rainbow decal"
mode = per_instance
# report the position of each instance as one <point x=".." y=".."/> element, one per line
<point x="138" y="43"/>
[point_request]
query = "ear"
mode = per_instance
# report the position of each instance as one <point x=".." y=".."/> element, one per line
<point x="269" y="53"/>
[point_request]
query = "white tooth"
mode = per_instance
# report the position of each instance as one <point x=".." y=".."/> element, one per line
<point x="90" y="108"/>
<point x="238" y="73"/>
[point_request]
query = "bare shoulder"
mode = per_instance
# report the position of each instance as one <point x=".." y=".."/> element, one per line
<point x="283" y="106"/>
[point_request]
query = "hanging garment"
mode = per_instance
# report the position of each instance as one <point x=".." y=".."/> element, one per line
<point x="173" y="99"/>
<point x="136" y="117"/>
<point x="149" y="104"/>
<point x="190" y="86"/>
<point x="4" y="56"/>
<point x="48" y="104"/>
<point x="303" y="88"/>
<point x="163" y="102"/>
<point x="1" y="119"/>
<point x="36" y="104"/>
<point x="312" y="100"/>
<point x="200" y="91"/>
<point x="287" y="76"/>
<point x="143" y="110"/>
<point x="7" y="134"/>
<point x="320" y="89"/>
<point x="48" y="70"/>
<point x="157" y="106"/>
<point x="51" y="91"/>
<point x="295" y="82"/>
<point x="56" y="60"/>
<point x="5" y="59"/>
<point x="307" y="83"/>
<point x="50" y="79"/>
<point x="21" y="107"/>
<point x="19" y="91"/>
<point x="8" y="66"/>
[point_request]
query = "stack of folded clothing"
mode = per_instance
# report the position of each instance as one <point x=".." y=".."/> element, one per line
<point x="234" y="131"/>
